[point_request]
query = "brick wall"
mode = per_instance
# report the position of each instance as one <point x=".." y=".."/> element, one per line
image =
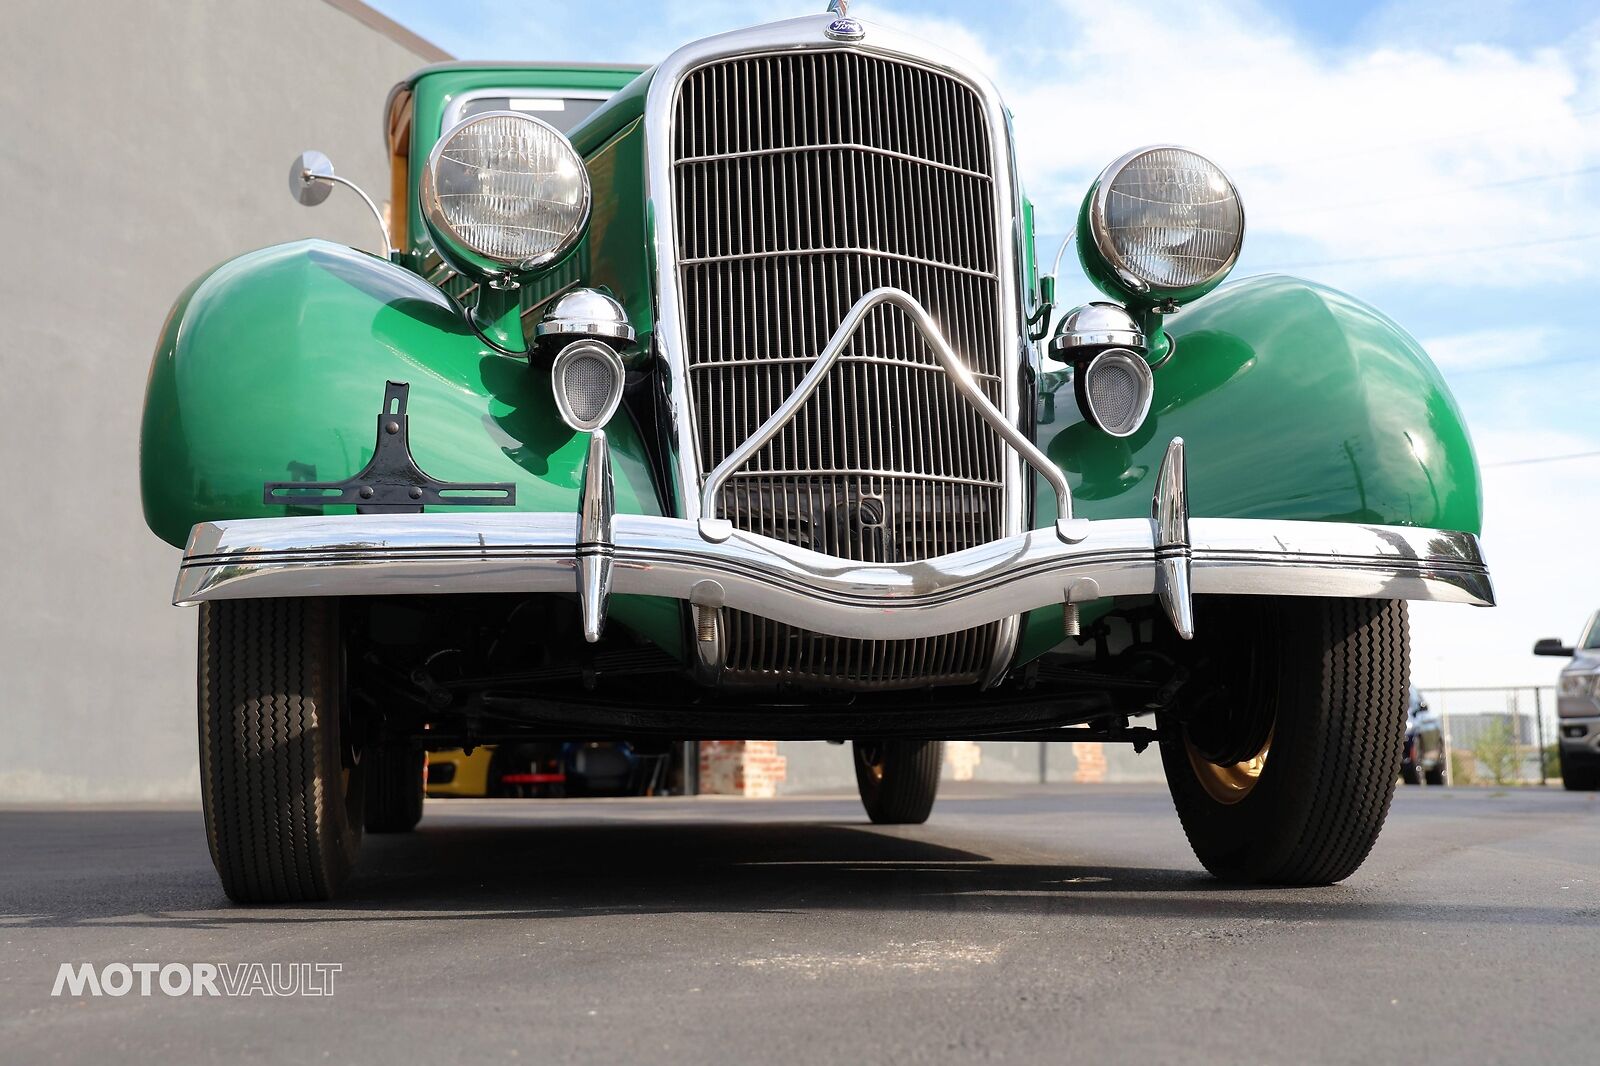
<point x="741" y="768"/>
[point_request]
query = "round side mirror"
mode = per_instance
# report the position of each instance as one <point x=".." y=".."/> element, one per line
<point x="304" y="173"/>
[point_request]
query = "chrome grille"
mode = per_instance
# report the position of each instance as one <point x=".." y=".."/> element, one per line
<point x="801" y="181"/>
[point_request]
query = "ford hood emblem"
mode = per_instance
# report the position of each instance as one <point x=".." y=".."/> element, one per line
<point x="846" y="29"/>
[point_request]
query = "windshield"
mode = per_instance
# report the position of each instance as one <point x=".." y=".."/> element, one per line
<point x="561" y="111"/>
<point x="1591" y="635"/>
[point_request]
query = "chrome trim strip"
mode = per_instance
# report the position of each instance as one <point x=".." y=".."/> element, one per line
<point x="714" y="528"/>
<point x="381" y="555"/>
<point x="876" y="360"/>
<point x="870" y="149"/>
<point x="840" y="250"/>
<point x="1169" y="514"/>
<point x="595" y="540"/>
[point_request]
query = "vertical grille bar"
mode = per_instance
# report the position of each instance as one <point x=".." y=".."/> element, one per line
<point x="803" y="180"/>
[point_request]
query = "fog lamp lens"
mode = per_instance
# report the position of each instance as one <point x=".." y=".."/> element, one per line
<point x="587" y="378"/>
<point x="1114" y="390"/>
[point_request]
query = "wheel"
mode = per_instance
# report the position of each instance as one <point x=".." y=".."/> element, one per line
<point x="1283" y="755"/>
<point x="1408" y="774"/>
<point x="1435" y="776"/>
<point x="282" y="797"/>
<point x="394" y="784"/>
<point x="898" y="779"/>
<point x="1579" y="778"/>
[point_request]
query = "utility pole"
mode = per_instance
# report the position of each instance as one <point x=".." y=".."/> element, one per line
<point x="1538" y="720"/>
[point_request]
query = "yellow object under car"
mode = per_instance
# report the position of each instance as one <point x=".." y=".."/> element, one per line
<point x="455" y="773"/>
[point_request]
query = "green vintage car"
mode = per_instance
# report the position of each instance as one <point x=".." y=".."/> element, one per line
<point x="729" y="399"/>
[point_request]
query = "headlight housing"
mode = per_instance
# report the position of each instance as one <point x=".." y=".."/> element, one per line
<point x="1161" y="225"/>
<point x="1579" y="684"/>
<point x="504" y="194"/>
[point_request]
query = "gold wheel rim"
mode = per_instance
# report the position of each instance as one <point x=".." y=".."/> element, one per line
<point x="1232" y="783"/>
<point x="872" y="758"/>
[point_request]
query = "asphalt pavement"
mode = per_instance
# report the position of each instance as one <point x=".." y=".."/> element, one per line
<point x="1022" y="924"/>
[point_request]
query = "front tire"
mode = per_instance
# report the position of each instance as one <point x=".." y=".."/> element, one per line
<point x="394" y="781"/>
<point x="1284" y="761"/>
<point x="898" y="779"/>
<point x="282" y="799"/>
<point x="1579" y="778"/>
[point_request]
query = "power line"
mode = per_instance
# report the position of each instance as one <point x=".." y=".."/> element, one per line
<point x="1545" y="459"/>
<point x="1465" y="135"/>
<point x="1431" y="255"/>
<point x="1436" y="193"/>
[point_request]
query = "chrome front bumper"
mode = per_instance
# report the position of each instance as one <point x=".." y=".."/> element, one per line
<point x="708" y="562"/>
<point x="596" y="554"/>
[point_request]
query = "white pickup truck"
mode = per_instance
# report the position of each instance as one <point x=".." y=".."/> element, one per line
<point x="1578" y="705"/>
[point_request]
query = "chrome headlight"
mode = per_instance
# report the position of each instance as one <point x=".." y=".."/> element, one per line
<point x="504" y="193"/>
<point x="1164" y="223"/>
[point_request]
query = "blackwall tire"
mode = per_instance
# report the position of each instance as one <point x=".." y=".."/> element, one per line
<point x="1434" y="777"/>
<point x="283" y="811"/>
<point x="394" y="786"/>
<point x="898" y="779"/>
<point x="1329" y="681"/>
<point x="1579" y="778"/>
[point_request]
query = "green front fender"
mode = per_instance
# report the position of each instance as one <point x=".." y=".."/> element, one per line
<point x="272" y="368"/>
<point x="1295" y="402"/>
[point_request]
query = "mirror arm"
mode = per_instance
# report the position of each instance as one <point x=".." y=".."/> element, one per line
<point x="1039" y="321"/>
<point x="309" y="177"/>
<point x="1055" y="268"/>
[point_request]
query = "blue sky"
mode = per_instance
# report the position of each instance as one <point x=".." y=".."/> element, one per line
<point x="1437" y="158"/>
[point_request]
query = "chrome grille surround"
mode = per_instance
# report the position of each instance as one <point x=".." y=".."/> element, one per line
<point x="934" y="479"/>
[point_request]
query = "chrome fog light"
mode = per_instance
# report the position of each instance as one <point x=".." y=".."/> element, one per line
<point x="584" y="313"/>
<point x="587" y="379"/>
<point x="1114" y="390"/>
<point x="1085" y="331"/>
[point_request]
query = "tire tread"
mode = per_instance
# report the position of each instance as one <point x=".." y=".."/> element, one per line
<point x="1345" y="663"/>
<point x="276" y="830"/>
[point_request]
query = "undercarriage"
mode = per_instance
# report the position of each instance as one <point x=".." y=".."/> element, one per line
<point x="448" y="671"/>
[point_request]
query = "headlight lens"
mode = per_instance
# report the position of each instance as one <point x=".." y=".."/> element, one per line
<point x="1578" y="684"/>
<point x="506" y="192"/>
<point x="1167" y="221"/>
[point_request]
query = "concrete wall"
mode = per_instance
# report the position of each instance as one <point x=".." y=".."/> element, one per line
<point x="142" y="143"/>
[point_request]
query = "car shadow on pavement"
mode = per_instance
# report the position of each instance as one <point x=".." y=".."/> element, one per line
<point x="149" y="869"/>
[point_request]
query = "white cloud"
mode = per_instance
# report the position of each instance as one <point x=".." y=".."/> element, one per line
<point x="1374" y="155"/>
<point x="952" y="36"/>
<point x="1491" y="348"/>
<point x="1535" y="521"/>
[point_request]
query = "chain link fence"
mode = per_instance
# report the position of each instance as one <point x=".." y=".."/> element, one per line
<point x="1497" y="736"/>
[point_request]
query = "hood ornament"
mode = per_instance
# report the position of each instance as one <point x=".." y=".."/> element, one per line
<point x="844" y="28"/>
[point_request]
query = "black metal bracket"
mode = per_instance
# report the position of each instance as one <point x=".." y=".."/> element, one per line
<point x="391" y="483"/>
